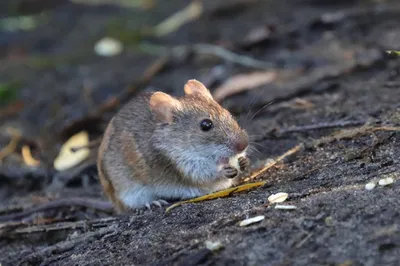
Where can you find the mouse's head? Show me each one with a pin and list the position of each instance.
(196, 128)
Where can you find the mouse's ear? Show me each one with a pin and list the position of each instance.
(163, 106)
(195, 87)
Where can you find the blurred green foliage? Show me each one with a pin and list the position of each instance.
(8, 91)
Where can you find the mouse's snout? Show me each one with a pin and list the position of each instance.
(241, 142)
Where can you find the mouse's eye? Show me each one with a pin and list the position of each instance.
(206, 124)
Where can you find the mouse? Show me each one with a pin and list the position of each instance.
(159, 148)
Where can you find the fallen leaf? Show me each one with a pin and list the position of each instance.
(27, 156)
(252, 220)
(219, 194)
(67, 158)
(278, 197)
(243, 82)
(174, 22)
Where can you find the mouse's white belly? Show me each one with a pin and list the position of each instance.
(140, 195)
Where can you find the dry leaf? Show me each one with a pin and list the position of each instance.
(67, 158)
(278, 197)
(27, 156)
(174, 22)
(243, 82)
(219, 194)
(252, 220)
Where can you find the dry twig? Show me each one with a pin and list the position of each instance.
(319, 126)
(274, 162)
(103, 206)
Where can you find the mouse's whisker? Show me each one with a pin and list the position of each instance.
(250, 108)
(255, 143)
(259, 110)
(254, 149)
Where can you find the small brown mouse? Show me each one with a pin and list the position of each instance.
(158, 147)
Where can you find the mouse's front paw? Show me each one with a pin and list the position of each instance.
(229, 171)
(244, 163)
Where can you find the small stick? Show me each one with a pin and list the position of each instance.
(208, 49)
(231, 56)
(323, 125)
(274, 162)
(103, 206)
(157, 66)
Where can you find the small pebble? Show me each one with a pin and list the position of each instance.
(386, 181)
(370, 186)
(108, 47)
(213, 245)
(278, 197)
(252, 220)
(285, 207)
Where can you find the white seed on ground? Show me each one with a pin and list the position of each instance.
(252, 220)
(278, 197)
(386, 181)
(213, 245)
(108, 47)
(370, 186)
(285, 207)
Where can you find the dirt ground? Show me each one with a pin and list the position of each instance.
(337, 93)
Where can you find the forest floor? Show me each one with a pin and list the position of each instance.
(332, 89)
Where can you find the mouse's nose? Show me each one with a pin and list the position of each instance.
(241, 143)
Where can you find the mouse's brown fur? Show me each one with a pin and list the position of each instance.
(155, 149)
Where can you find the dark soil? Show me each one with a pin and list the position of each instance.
(331, 54)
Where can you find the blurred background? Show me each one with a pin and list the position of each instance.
(66, 67)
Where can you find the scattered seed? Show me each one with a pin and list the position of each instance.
(108, 47)
(252, 220)
(386, 181)
(213, 245)
(278, 197)
(285, 207)
(370, 186)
